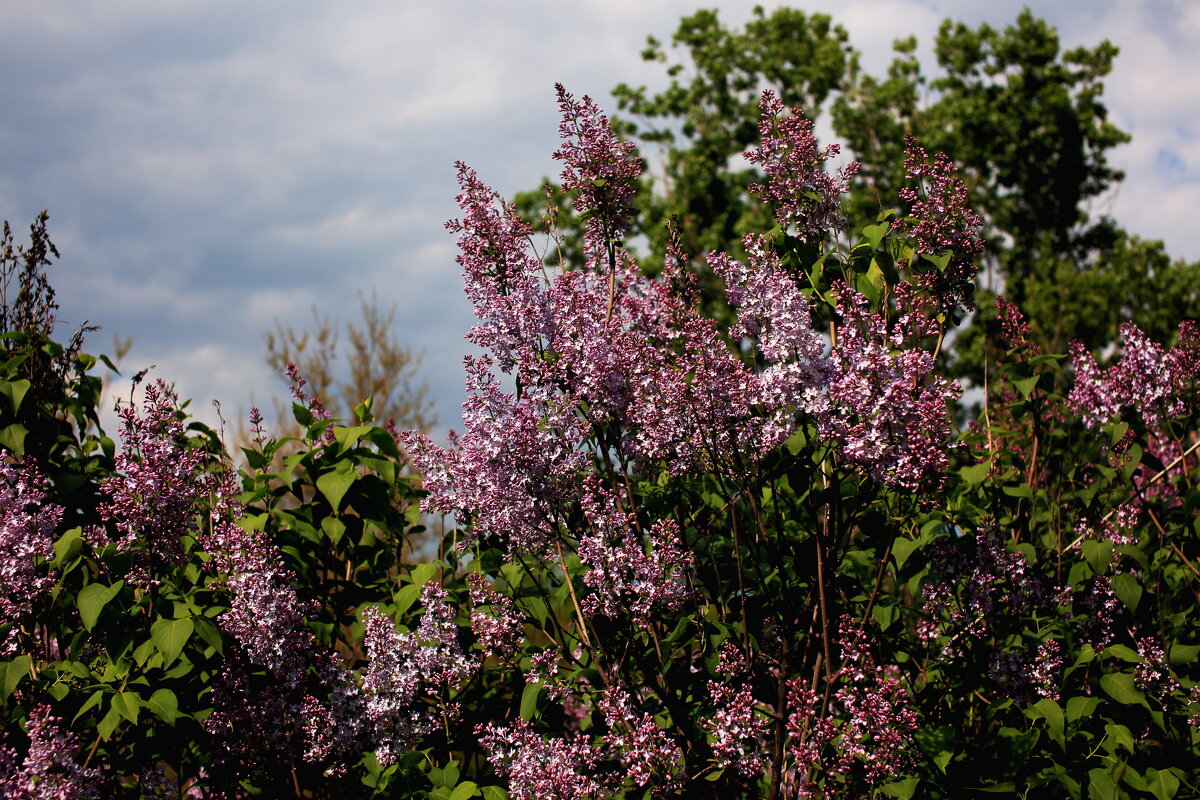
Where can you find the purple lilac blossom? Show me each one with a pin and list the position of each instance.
(803, 193)
(870, 726)
(644, 749)
(966, 592)
(624, 579)
(543, 769)
(1153, 675)
(1154, 382)
(736, 728)
(52, 767)
(941, 220)
(598, 168)
(771, 307)
(404, 668)
(28, 526)
(155, 490)
(498, 626)
(516, 466)
(888, 410)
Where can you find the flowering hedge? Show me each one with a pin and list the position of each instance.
(689, 560)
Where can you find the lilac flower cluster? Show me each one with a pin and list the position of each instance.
(941, 220)
(771, 307)
(644, 749)
(543, 769)
(406, 666)
(1022, 678)
(1153, 675)
(736, 729)
(888, 410)
(624, 579)
(870, 726)
(967, 592)
(1154, 382)
(517, 463)
(803, 193)
(51, 768)
(28, 526)
(598, 168)
(500, 628)
(1014, 328)
(154, 492)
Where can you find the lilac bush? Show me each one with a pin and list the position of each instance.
(687, 559)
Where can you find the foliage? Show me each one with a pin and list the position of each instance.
(692, 558)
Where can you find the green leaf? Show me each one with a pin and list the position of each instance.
(348, 437)
(1020, 490)
(938, 744)
(902, 548)
(974, 474)
(1050, 711)
(529, 700)
(110, 722)
(334, 528)
(170, 636)
(1026, 385)
(1119, 686)
(12, 438)
(14, 671)
(1161, 783)
(127, 705)
(902, 790)
(493, 793)
(1183, 654)
(405, 598)
(207, 630)
(15, 391)
(1101, 785)
(1124, 653)
(92, 600)
(875, 233)
(464, 790)
(336, 483)
(164, 705)
(1127, 589)
(1098, 555)
(68, 546)
(1080, 707)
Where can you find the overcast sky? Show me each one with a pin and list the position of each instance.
(215, 165)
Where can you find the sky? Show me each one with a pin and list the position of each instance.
(214, 167)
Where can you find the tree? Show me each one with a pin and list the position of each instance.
(377, 366)
(1023, 119)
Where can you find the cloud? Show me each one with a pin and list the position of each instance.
(213, 166)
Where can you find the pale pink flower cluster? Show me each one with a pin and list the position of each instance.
(1022, 678)
(804, 194)
(404, 667)
(28, 526)
(154, 492)
(644, 749)
(737, 729)
(975, 581)
(517, 464)
(941, 220)
(625, 580)
(1156, 383)
(1153, 675)
(538, 768)
(498, 626)
(52, 768)
(870, 726)
(888, 410)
